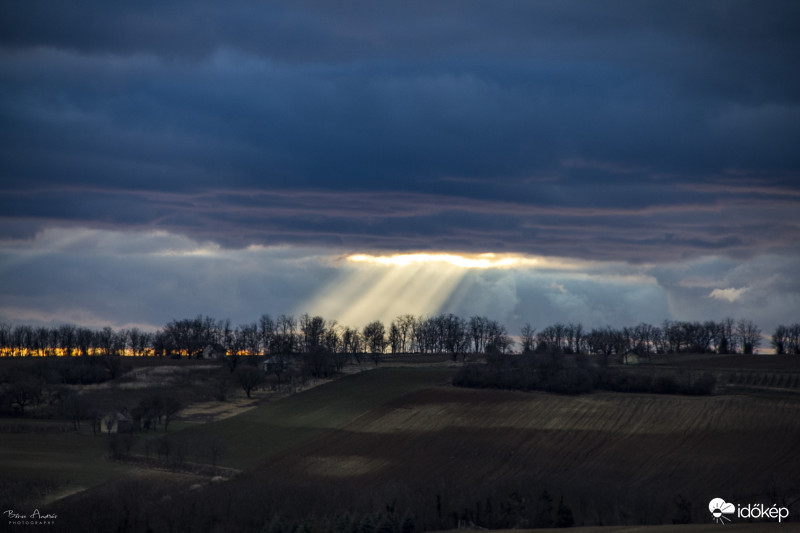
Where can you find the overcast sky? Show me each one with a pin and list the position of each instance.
(166, 159)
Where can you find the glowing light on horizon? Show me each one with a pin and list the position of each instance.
(487, 260)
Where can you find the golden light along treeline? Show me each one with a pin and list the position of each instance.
(443, 333)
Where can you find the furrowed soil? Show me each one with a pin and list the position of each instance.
(672, 528)
(401, 440)
(778, 363)
(614, 457)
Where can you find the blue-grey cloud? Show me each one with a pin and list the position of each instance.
(688, 223)
(644, 133)
(118, 97)
(100, 277)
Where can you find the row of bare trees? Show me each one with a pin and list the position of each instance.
(443, 333)
(68, 339)
(725, 337)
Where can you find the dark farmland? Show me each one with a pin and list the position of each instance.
(359, 450)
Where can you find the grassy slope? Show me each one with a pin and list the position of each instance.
(252, 437)
(72, 461)
(76, 461)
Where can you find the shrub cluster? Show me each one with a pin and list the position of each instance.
(627, 381)
(379, 522)
(547, 372)
(73, 370)
(552, 372)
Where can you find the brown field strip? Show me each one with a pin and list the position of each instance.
(635, 452)
(671, 528)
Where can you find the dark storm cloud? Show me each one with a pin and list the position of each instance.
(632, 130)
(736, 224)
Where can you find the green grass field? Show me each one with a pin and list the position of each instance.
(252, 437)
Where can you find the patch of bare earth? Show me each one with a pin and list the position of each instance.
(343, 466)
(203, 412)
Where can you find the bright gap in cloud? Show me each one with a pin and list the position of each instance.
(467, 261)
(487, 260)
(381, 287)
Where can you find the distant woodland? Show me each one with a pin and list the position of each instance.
(444, 333)
(434, 462)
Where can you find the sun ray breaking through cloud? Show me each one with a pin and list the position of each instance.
(365, 292)
(382, 287)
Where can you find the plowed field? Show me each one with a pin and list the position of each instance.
(614, 457)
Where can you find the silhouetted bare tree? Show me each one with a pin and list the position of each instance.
(375, 338)
(528, 338)
(249, 377)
